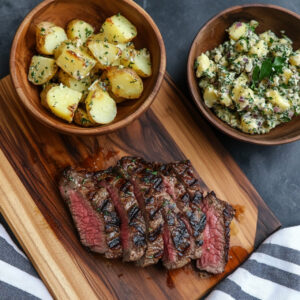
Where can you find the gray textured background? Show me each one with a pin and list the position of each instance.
(274, 171)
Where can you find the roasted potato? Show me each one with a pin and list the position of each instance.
(123, 46)
(79, 29)
(138, 60)
(74, 84)
(106, 54)
(81, 118)
(100, 107)
(124, 83)
(117, 29)
(43, 94)
(41, 69)
(74, 61)
(49, 37)
(63, 101)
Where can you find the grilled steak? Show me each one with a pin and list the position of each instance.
(93, 213)
(133, 226)
(149, 211)
(150, 187)
(216, 234)
(189, 195)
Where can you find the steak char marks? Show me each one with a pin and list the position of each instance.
(185, 187)
(93, 213)
(148, 212)
(167, 237)
(133, 226)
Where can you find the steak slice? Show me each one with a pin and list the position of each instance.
(93, 213)
(185, 188)
(133, 226)
(216, 234)
(161, 214)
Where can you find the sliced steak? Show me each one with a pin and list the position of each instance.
(98, 229)
(185, 188)
(216, 234)
(133, 226)
(162, 216)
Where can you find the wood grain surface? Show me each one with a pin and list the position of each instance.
(61, 12)
(213, 33)
(30, 201)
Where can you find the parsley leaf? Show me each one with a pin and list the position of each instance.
(266, 69)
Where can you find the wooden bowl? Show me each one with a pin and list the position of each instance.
(94, 12)
(213, 33)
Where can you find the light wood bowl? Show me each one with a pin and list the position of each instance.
(94, 12)
(213, 33)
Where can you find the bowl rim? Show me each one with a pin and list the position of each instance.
(195, 93)
(59, 125)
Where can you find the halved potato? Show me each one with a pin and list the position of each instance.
(74, 61)
(63, 101)
(138, 60)
(43, 94)
(79, 29)
(81, 118)
(117, 29)
(106, 54)
(41, 69)
(49, 37)
(74, 84)
(124, 83)
(100, 107)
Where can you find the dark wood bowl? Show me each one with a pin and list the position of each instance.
(213, 33)
(94, 12)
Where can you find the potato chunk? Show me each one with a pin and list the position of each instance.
(202, 64)
(260, 49)
(117, 29)
(49, 37)
(106, 54)
(138, 60)
(124, 83)
(75, 62)
(63, 101)
(295, 59)
(43, 94)
(237, 30)
(277, 100)
(78, 29)
(210, 96)
(100, 107)
(41, 69)
(81, 118)
(81, 85)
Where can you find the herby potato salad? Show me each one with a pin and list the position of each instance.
(251, 81)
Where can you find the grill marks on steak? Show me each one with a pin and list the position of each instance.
(216, 234)
(162, 215)
(147, 212)
(133, 226)
(145, 190)
(93, 214)
(186, 189)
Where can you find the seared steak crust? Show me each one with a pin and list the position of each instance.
(145, 189)
(93, 212)
(216, 234)
(152, 191)
(133, 226)
(189, 195)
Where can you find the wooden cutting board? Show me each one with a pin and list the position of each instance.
(32, 157)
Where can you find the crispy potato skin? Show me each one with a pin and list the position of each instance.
(100, 107)
(79, 29)
(49, 37)
(41, 69)
(124, 83)
(81, 118)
